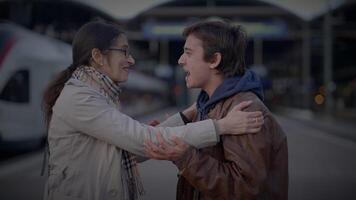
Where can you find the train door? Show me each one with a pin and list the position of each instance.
(16, 110)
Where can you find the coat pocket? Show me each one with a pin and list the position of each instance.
(71, 198)
(57, 195)
(63, 181)
(56, 177)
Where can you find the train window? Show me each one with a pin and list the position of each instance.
(17, 89)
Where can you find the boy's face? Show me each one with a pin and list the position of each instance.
(197, 69)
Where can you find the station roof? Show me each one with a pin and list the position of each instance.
(122, 9)
(307, 9)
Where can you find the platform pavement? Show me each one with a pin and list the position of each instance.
(341, 127)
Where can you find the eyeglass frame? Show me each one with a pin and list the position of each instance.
(125, 51)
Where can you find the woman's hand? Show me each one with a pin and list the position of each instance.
(166, 151)
(238, 122)
(154, 122)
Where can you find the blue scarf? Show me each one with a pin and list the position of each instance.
(250, 81)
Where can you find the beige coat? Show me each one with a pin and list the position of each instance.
(86, 137)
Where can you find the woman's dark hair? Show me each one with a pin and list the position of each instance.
(95, 34)
(221, 36)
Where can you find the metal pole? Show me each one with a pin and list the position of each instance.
(257, 51)
(153, 46)
(164, 52)
(328, 60)
(306, 54)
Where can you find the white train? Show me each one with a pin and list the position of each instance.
(28, 61)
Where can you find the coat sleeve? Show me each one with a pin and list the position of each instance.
(174, 120)
(89, 113)
(239, 175)
(179, 119)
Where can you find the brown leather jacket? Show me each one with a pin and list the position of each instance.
(248, 166)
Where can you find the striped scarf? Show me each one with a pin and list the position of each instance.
(111, 91)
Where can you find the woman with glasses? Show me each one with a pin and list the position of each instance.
(92, 145)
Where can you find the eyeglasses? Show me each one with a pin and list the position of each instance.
(125, 51)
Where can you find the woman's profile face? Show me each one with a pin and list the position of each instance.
(118, 60)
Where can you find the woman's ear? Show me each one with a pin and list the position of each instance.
(215, 60)
(97, 56)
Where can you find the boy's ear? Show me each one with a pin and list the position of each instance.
(97, 56)
(215, 60)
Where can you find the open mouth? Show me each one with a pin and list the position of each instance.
(187, 73)
(126, 68)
